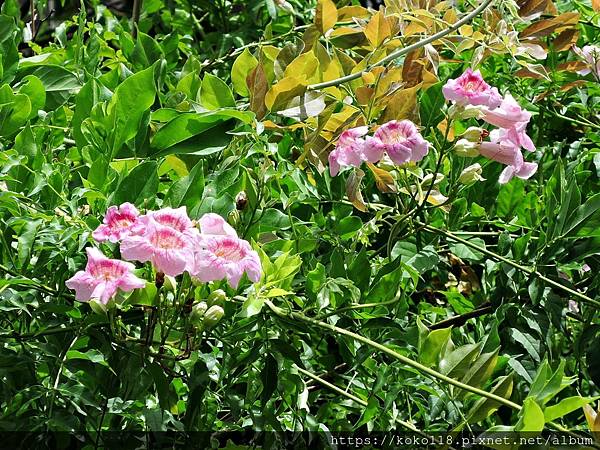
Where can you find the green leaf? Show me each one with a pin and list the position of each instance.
(26, 240)
(456, 363)
(252, 306)
(531, 417)
(187, 191)
(184, 126)
(33, 88)
(484, 407)
(139, 186)
(431, 106)
(215, 93)
(242, 66)
(269, 378)
(433, 346)
(566, 406)
(131, 100)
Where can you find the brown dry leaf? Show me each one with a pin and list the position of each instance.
(571, 66)
(529, 7)
(547, 26)
(566, 39)
(383, 179)
(378, 29)
(326, 15)
(412, 69)
(596, 5)
(258, 87)
(364, 94)
(353, 189)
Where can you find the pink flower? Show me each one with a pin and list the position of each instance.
(102, 278)
(169, 250)
(212, 223)
(400, 140)
(508, 115)
(503, 152)
(590, 54)
(505, 147)
(224, 256)
(517, 135)
(169, 217)
(348, 150)
(470, 89)
(525, 171)
(118, 223)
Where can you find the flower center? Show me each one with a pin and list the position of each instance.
(229, 250)
(167, 239)
(107, 270)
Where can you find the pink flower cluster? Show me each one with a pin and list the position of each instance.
(505, 113)
(170, 241)
(401, 141)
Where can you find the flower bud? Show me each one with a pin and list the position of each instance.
(474, 134)
(458, 111)
(466, 148)
(212, 316)
(217, 297)
(241, 200)
(471, 175)
(198, 312)
(170, 284)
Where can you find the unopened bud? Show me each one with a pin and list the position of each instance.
(217, 297)
(198, 312)
(241, 200)
(170, 284)
(212, 316)
(465, 112)
(474, 134)
(159, 281)
(471, 174)
(466, 148)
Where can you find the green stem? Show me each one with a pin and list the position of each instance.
(353, 397)
(403, 51)
(407, 361)
(584, 298)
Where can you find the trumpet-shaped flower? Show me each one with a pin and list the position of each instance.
(118, 223)
(169, 250)
(169, 217)
(590, 54)
(222, 254)
(400, 140)
(103, 277)
(525, 171)
(225, 256)
(212, 223)
(348, 150)
(508, 115)
(471, 89)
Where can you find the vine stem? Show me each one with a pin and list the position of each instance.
(403, 51)
(584, 298)
(405, 360)
(354, 398)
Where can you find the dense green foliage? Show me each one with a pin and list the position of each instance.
(216, 106)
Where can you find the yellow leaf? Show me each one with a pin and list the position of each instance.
(383, 179)
(326, 15)
(277, 292)
(173, 162)
(401, 105)
(377, 30)
(283, 91)
(258, 86)
(306, 66)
